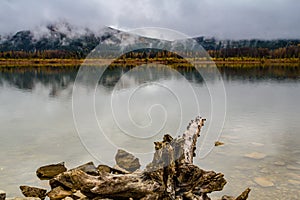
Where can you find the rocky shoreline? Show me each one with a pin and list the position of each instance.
(170, 176)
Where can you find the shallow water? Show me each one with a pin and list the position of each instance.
(134, 107)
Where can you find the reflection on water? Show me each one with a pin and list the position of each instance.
(37, 128)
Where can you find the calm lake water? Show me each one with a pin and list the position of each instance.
(134, 107)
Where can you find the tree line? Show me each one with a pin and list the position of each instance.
(292, 51)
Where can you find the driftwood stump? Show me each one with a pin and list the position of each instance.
(170, 176)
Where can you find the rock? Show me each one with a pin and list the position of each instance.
(2, 195)
(294, 182)
(58, 193)
(242, 167)
(263, 182)
(255, 155)
(28, 191)
(50, 171)
(265, 170)
(257, 144)
(88, 168)
(279, 163)
(127, 161)
(291, 167)
(25, 198)
(218, 143)
(294, 175)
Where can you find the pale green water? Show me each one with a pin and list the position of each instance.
(37, 127)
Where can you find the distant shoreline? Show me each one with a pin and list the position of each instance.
(77, 62)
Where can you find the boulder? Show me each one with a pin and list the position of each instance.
(127, 161)
(50, 171)
(28, 191)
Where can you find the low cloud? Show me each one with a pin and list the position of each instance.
(232, 19)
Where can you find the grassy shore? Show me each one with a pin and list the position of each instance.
(169, 61)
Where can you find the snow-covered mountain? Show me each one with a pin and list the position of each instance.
(60, 36)
(64, 36)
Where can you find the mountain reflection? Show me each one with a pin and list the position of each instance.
(61, 78)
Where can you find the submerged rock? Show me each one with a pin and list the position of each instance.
(218, 143)
(263, 182)
(257, 144)
(294, 182)
(50, 171)
(28, 191)
(292, 167)
(24, 198)
(294, 175)
(127, 161)
(255, 155)
(2, 195)
(279, 163)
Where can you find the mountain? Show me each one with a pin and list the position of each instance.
(60, 36)
(79, 42)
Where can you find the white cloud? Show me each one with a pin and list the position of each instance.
(221, 18)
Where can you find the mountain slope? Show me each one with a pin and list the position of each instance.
(65, 39)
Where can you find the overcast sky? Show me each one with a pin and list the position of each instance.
(225, 19)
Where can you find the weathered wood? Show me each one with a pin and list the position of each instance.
(88, 168)
(171, 175)
(114, 186)
(244, 195)
(190, 138)
(2, 195)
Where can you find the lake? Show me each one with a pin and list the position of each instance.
(44, 120)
